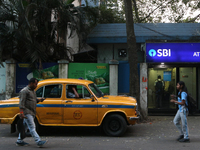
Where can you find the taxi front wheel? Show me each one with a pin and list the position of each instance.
(114, 125)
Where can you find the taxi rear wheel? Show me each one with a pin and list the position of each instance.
(114, 125)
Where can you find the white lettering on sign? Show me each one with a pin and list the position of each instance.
(164, 52)
(196, 54)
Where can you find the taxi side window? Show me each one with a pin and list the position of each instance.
(53, 91)
(86, 93)
(81, 90)
(39, 92)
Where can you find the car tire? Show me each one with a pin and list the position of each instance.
(114, 125)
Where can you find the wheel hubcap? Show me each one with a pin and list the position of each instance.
(114, 125)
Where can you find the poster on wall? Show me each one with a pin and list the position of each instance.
(24, 73)
(96, 72)
(3, 78)
(167, 76)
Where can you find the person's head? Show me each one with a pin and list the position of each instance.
(33, 83)
(159, 77)
(181, 86)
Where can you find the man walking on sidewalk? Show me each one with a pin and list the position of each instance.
(27, 105)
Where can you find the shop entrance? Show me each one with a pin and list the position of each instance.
(162, 83)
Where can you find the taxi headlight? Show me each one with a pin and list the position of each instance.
(135, 104)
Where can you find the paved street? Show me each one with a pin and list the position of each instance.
(158, 133)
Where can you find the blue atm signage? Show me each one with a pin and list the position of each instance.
(172, 52)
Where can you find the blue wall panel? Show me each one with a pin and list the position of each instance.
(123, 77)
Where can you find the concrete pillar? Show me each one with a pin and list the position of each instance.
(143, 89)
(63, 68)
(113, 64)
(10, 78)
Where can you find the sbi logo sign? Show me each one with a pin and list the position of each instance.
(160, 52)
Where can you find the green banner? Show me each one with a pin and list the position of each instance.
(47, 73)
(24, 73)
(96, 72)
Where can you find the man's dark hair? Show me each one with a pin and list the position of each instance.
(32, 80)
(159, 77)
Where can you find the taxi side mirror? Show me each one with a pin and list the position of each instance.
(92, 97)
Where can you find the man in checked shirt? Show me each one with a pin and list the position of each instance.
(27, 105)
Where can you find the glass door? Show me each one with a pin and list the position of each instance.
(188, 75)
(161, 84)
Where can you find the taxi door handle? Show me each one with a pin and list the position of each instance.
(68, 101)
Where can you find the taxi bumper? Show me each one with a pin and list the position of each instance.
(134, 118)
(6, 121)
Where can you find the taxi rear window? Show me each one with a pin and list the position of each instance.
(50, 91)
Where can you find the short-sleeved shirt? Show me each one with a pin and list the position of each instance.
(183, 97)
(28, 101)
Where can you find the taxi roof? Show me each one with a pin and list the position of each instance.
(65, 80)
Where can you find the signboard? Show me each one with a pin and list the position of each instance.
(96, 72)
(24, 73)
(172, 52)
(3, 78)
(167, 76)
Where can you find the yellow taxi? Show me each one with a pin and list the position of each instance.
(62, 107)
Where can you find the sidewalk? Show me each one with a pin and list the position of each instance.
(160, 133)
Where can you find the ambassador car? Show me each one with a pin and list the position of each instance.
(92, 108)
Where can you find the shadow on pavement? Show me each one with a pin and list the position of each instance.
(71, 131)
(80, 131)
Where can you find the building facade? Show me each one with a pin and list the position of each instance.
(166, 50)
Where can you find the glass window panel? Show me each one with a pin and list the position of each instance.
(39, 92)
(81, 90)
(53, 91)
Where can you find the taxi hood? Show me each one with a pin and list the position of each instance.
(123, 98)
(11, 100)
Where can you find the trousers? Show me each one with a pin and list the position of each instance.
(181, 116)
(159, 100)
(30, 124)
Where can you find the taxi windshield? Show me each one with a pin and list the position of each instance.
(96, 90)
